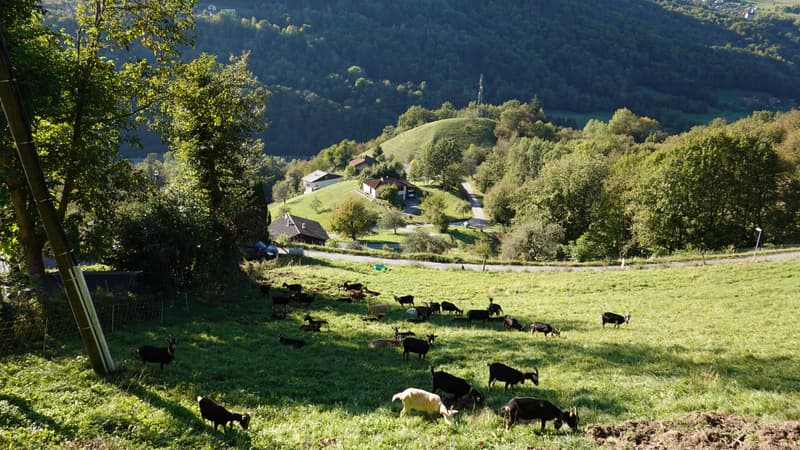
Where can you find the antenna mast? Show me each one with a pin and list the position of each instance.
(480, 97)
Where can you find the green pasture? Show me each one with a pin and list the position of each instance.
(330, 197)
(701, 338)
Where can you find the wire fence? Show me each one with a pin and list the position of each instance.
(29, 331)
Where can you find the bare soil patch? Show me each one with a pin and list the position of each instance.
(698, 430)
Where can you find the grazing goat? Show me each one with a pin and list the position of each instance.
(347, 286)
(424, 401)
(447, 306)
(616, 319)
(478, 314)
(546, 328)
(296, 343)
(402, 334)
(312, 321)
(372, 293)
(380, 343)
(511, 322)
(418, 346)
(310, 327)
(511, 376)
(494, 308)
(305, 299)
(296, 288)
(435, 307)
(453, 385)
(423, 312)
(528, 409)
(405, 299)
(218, 415)
(160, 355)
(377, 309)
(355, 294)
(281, 300)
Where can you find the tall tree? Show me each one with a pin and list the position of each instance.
(213, 113)
(352, 217)
(709, 188)
(101, 87)
(442, 160)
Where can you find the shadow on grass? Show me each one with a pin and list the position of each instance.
(30, 415)
(132, 382)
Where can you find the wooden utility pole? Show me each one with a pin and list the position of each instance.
(80, 301)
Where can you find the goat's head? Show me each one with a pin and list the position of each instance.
(557, 332)
(245, 422)
(570, 417)
(627, 317)
(533, 376)
(475, 395)
(431, 337)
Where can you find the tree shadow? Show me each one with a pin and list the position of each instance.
(26, 415)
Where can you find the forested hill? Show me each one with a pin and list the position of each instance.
(347, 68)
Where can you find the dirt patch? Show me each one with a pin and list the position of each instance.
(714, 430)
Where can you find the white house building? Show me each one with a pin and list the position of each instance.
(319, 179)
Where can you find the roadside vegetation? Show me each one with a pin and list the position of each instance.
(701, 338)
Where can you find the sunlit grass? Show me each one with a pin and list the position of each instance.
(700, 338)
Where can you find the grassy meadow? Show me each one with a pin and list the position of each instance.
(465, 131)
(701, 338)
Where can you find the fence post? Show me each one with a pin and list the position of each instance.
(113, 313)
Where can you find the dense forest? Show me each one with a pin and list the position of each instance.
(341, 69)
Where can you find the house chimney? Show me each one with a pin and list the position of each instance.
(303, 225)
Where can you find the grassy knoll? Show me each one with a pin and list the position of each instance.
(465, 131)
(330, 197)
(701, 338)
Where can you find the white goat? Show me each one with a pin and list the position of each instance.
(424, 401)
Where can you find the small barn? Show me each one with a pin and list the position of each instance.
(298, 229)
(319, 179)
(362, 162)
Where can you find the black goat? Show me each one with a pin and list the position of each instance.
(546, 328)
(355, 286)
(423, 312)
(511, 322)
(405, 299)
(453, 386)
(264, 288)
(281, 300)
(447, 306)
(305, 299)
(402, 334)
(312, 321)
(528, 408)
(478, 314)
(414, 345)
(296, 343)
(616, 319)
(218, 415)
(511, 376)
(435, 307)
(494, 308)
(160, 355)
(296, 288)
(310, 327)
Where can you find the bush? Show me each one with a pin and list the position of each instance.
(420, 241)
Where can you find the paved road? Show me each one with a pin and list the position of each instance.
(533, 268)
(478, 215)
